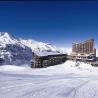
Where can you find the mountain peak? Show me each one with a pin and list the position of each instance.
(6, 38)
(6, 35)
(3, 33)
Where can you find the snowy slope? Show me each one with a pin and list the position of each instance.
(12, 51)
(38, 46)
(5, 38)
(65, 50)
(61, 81)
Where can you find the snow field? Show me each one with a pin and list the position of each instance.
(60, 81)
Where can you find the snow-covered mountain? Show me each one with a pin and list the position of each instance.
(17, 51)
(38, 46)
(12, 51)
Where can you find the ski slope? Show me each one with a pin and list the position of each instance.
(60, 81)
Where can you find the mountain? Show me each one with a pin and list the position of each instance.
(38, 46)
(12, 51)
(65, 50)
(19, 51)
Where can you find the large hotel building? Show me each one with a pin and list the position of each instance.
(83, 50)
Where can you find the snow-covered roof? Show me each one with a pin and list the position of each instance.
(45, 53)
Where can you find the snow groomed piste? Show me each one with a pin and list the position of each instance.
(60, 81)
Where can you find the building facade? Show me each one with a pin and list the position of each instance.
(85, 47)
(84, 50)
(44, 59)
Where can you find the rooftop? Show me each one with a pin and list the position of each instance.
(83, 41)
(45, 53)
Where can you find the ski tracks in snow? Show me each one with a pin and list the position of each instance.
(53, 86)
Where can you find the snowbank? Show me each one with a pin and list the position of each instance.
(61, 68)
(13, 68)
(85, 66)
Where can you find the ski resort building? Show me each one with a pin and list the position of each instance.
(44, 59)
(83, 51)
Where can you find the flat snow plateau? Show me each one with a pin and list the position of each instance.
(60, 81)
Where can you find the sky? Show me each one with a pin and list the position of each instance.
(57, 22)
